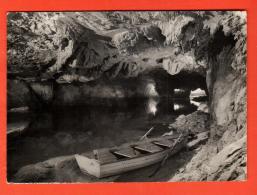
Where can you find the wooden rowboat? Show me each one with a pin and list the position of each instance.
(129, 156)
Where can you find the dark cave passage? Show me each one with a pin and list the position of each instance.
(166, 83)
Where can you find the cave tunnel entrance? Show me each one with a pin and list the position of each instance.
(182, 93)
(179, 85)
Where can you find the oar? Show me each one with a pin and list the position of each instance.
(146, 134)
(166, 156)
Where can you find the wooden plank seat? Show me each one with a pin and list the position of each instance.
(131, 150)
(148, 147)
(126, 152)
(164, 142)
(104, 156)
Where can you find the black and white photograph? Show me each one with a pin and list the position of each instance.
(126, 96)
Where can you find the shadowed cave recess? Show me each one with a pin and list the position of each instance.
(71, 74)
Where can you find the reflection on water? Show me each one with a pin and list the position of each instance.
(178, 106)
(151, 107)
(80, 129)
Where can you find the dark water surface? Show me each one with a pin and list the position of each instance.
(73, 130)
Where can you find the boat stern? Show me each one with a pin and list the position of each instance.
(88, 166)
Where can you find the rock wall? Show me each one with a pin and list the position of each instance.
(224, 155)
(82, 46)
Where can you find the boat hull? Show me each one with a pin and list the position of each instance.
(95, 168)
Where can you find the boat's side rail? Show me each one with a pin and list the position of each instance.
(136, 149)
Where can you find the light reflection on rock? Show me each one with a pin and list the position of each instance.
(197, 93)
(195, 103)
(151, 90)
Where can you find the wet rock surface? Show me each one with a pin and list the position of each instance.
(194, 123)
(211, 164)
